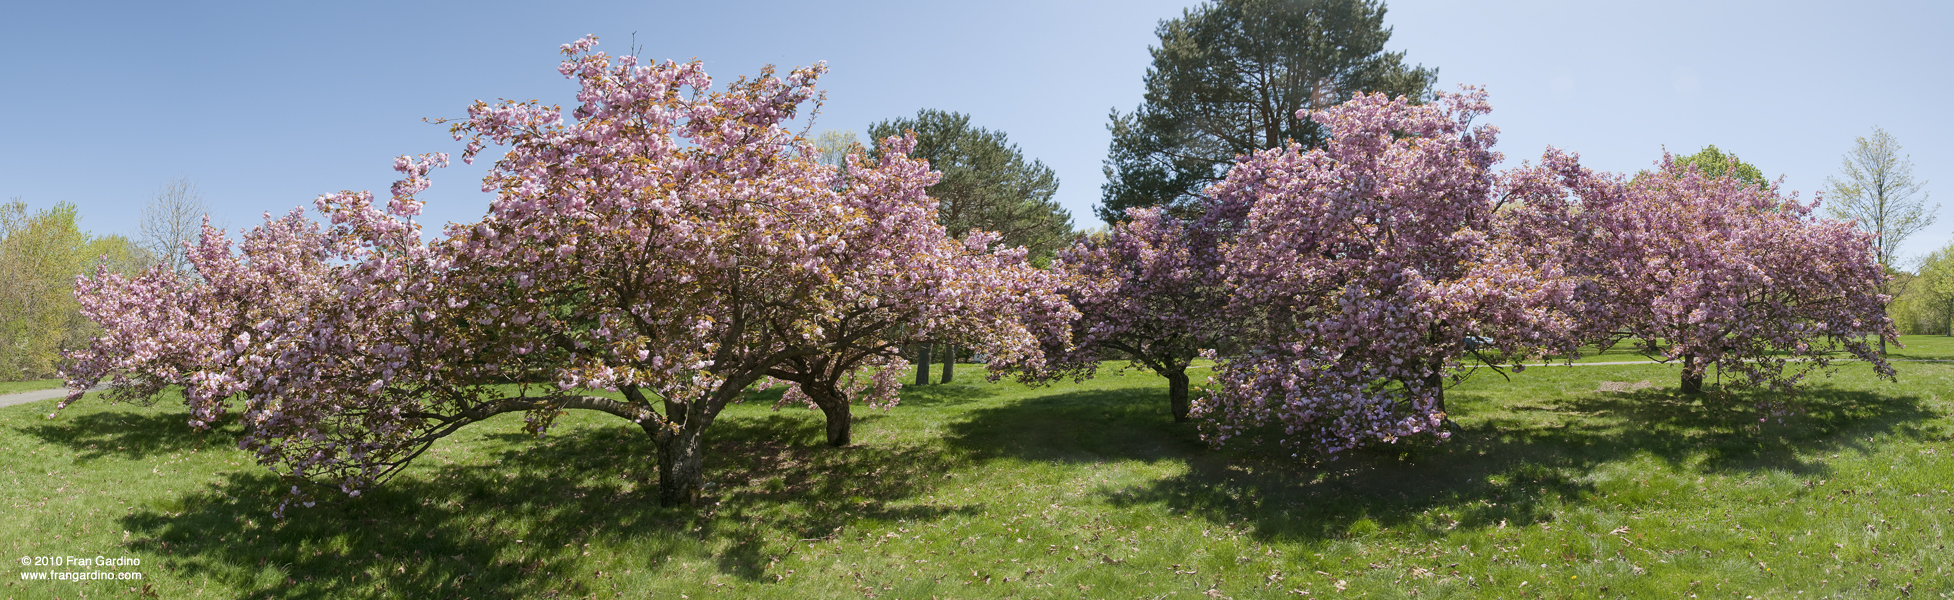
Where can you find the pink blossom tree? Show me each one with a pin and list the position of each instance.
(962, 292)
(1718, 271)
(1367, 269)
(330, 337)
(1152, 289)
(673, 243)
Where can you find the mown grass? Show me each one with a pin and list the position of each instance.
(1917, 347)
(1552, 488)
(1924, 347)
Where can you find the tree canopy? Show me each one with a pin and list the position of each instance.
(668, 246)
(1231, 77)
(1708, 270)
(1713, 163)
(1151, 288)
(1933, 290)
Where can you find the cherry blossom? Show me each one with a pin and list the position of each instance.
(1717, 271)
(1152, 289)
(672, 242)
(1365, 270)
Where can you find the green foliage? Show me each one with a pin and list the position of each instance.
(1563, 482)
(1715, 163)
(987, 183)
(1926, 300)
(40, 255)
(1228, 79)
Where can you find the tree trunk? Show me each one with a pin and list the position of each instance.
(949, 362)
(1692, 378)
(1177, 393)
(681, 466)
(923, 365)
(1436, 379)
(835, 406)
(838, 424)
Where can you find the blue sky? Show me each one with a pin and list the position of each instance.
(267, 105)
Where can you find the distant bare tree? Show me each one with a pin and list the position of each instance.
(1877, 188)
(174, 216)
(835, 145)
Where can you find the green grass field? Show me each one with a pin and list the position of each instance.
(1918, 347)
(1555, 488)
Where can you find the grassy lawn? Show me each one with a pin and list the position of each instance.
(1924, 347)
(10, 387)
(1918, 347)
(1554, 489)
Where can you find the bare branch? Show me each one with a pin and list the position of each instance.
(173, 218)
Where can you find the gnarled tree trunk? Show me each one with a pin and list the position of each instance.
(949, 362)
(680, 437)
(838, 423)
(681, 466)
(834, 406)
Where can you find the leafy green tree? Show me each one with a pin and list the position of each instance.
(1717, 163)
(1933, 290)
(1906, 310)
(1229, 77)
(40, 254)
(1876, 188)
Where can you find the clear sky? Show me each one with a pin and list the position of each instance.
(266, 105)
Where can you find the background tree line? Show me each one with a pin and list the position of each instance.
(41, 253)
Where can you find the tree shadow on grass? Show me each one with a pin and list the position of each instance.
(132, 435)
(522, 525)
(1079, 426)
(1501, 470)
(1727, 432)
(943, 395)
